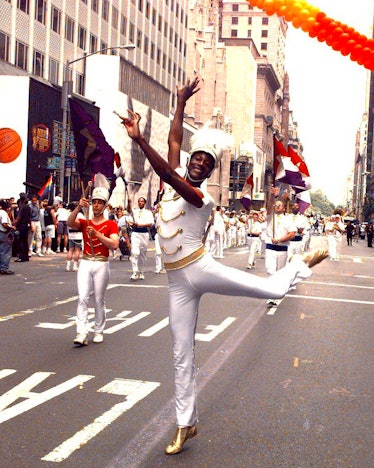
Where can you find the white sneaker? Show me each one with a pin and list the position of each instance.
(134, 277)
(98, 338)
(39, 254)
(67, 268)
(75, 267)
(51, 252)
(81, 339)
(31, 253)
(57, 250)
(141, 276)
(65, 251)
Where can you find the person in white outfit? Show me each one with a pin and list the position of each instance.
(192, 272)
(142, 221)
(253, 238)
(297, 244)
(219, 232)
(100, 235)
(334, 230)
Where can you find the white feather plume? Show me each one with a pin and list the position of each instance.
(101, 181)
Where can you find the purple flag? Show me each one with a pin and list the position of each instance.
(94, 154)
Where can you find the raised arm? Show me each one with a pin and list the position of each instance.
(163, 169)
(176, 130)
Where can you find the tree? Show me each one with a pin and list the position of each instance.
(321, 204)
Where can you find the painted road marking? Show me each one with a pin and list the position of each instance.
(353, 286)
(155, 328)
(215, 330)
(132, 390)
(33, 399)
(317, 298)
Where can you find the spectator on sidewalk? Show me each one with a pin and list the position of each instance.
(50, 223)
(62, 215)
(6, 238)
(35, 232)
(22, 224)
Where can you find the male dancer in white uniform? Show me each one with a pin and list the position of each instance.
(142, 221)
(99, 236)
(184, 212)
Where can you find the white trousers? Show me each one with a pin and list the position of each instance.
(35, 233)
(253, 246)
(92, 275)
(275, 260)
(295, 247)
(186, 286)
(139, 245)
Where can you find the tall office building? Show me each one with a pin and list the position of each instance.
(49, 42)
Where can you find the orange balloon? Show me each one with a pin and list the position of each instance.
(296, 22)
(304, 14)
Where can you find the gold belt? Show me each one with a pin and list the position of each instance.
(97, 258)
(186, 260)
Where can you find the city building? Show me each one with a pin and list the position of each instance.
(77, 43)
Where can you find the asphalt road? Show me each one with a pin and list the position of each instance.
(285, 387)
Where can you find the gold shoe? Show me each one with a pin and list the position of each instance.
(181, 435)
(314, 257)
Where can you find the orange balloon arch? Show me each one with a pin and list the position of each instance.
(313, 21)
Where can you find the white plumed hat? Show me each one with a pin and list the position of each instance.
(101, 190)
(211, 141)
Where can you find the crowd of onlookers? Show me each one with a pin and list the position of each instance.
(31, 227)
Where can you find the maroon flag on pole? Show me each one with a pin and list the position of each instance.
(94, 154)
(246, 198)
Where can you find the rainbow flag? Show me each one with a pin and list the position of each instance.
(44, 191)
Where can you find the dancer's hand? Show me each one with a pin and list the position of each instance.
(189, 89)
(132, 124)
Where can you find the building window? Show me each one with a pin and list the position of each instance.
(23, 5)
(54, 68)
(249, 19)
(148, 10)
(164, 61)
(82, 35)
(264, 33)
(80, 83)
(84, 1)
(152, 51)
(4, 47)
(146, 45)
(132, 33)
(93, 43)
(234, 33)
(38, 63)
(95, 6)
(104, 46)
(69, 29)
(160, 23)
(123, 29)
(265, 20)
(140, 5)
(139, 39)
(158, 56)
(249, 33)
(40, 10)
(105, 10)
(55, 20)
(21, 55)
(235, 7)
(154, 16)
(115, 16)
(264, 46)
(234, 20)
(165, 29)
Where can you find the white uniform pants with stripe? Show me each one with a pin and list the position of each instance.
(186, 286)
(92, 276)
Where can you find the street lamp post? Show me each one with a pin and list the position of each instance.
(67, 89)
